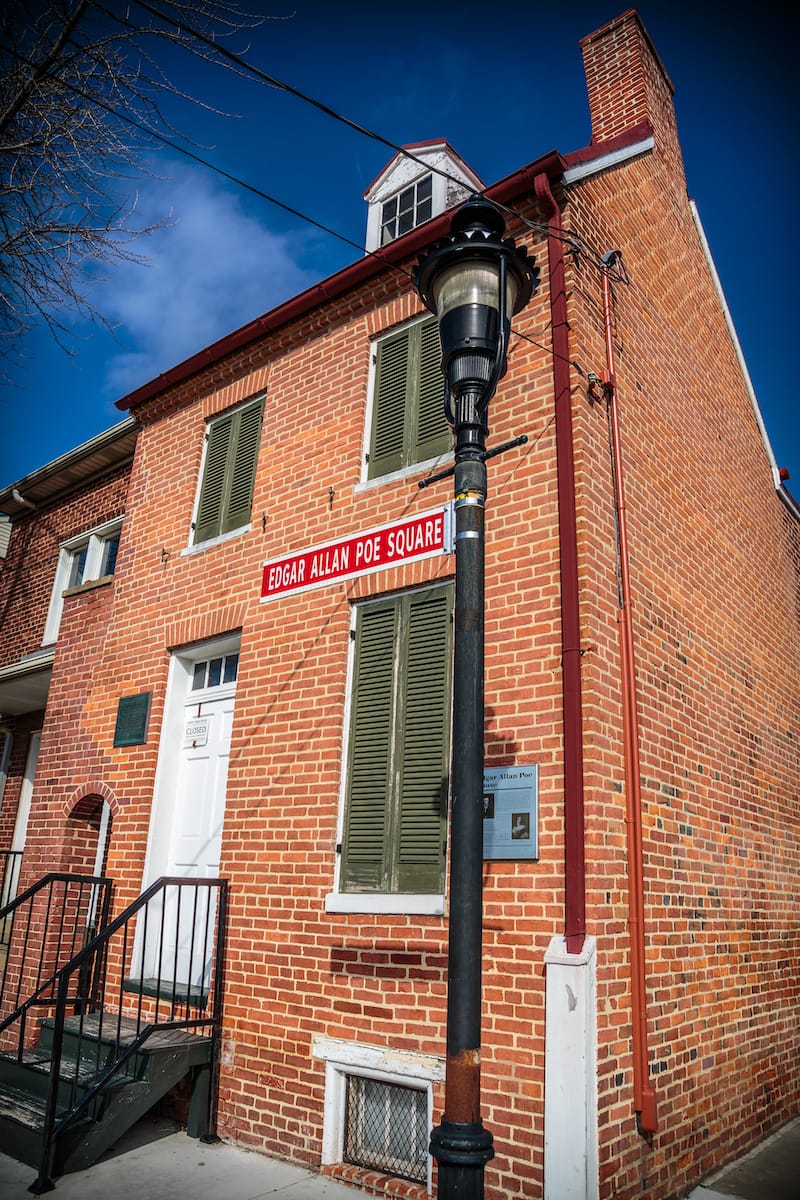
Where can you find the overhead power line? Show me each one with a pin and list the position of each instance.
(575, 242)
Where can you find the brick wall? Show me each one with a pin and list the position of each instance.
(295, 971)
(26, 585)
(26, 581)
(714, 564)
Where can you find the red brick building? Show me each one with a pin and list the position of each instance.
(295, 731)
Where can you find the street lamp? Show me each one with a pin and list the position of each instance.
(474, 280)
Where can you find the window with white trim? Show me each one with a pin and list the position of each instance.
(6, 743)
(229, 471)
(407, 209)
(83, 559)
(395, 814)
(378, 1106)
(408, 425)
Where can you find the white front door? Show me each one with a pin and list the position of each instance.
(188, 815)
(196, 835)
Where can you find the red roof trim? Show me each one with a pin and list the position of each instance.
(335, 285)
(636, 133)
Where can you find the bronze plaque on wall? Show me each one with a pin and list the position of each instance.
(132, 716)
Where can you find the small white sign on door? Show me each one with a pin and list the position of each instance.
(196, 732)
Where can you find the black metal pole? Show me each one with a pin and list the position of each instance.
(460, 1144)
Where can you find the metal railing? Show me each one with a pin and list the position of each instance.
(156, 967)
(43, 929)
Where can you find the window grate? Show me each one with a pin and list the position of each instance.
(386, 1128)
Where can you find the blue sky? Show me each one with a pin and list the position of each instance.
(504, 86)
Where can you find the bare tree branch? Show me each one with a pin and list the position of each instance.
(81, 92)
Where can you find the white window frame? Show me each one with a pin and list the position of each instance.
(378, 903)
(193, 547)
(394, 199)
(5, 757)
(94, 541)
(342, 1058)
(422, 467)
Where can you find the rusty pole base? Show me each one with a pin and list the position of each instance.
(462, 1152)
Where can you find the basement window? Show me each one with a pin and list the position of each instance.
(378, 1107)
(386, 1128)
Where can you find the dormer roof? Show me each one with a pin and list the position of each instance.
(421, 181)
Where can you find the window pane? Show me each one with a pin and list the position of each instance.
(424, 210)
(386, 1128)
(425, 189)
(215, 672)
(199, 676)
(77, 567)
(231, 668)
(109, 560)
(407, 201)
(388, 221)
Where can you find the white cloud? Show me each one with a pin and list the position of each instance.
(211, 269)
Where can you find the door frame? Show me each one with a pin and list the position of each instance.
(162, 810)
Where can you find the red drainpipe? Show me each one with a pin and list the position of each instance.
(574, 856)
(643, 1095)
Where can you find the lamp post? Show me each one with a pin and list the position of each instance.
(474, 280)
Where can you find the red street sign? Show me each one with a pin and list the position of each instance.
(416, 537)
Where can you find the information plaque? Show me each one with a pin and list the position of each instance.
(511, 812)
(132, 716)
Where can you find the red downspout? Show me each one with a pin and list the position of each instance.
(643, 1095)
(574, 857)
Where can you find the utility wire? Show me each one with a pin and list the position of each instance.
(576, 243)
(573, 240)
(264, 77)
(250, 187)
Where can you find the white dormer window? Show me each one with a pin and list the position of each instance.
(407, 209)
(420, 182)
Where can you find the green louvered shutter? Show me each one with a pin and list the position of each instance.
(424, 744)
(371, 738)
(212, 492)
(433, 434)
(226, 493)
(396, 812)
(243, 467)
(388, 419)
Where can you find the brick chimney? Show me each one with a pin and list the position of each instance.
(625, 79)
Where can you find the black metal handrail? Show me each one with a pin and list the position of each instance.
(157, 966)
(45, 927)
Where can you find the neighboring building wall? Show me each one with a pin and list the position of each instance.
(26, 586)
(715, 565)
(26, 582)
(62, 834)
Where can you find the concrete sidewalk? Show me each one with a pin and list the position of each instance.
(769, 1172)
(157, 1161)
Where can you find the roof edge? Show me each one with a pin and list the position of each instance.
(30, 483)
(335, 285)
